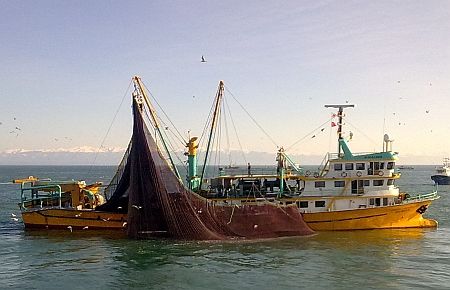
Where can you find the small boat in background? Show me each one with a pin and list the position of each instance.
(443, 173)
(405, 167)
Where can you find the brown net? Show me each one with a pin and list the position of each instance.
(160, 205)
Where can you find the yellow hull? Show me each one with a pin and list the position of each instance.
(387, 217)
(54, 218)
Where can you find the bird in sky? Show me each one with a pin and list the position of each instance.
(203, 59)
(427, 111)
(18, 128)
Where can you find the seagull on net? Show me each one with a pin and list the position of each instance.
(86, 227)
(136, 206)
(70, 228)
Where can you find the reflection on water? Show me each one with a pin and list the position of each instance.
(376, 259)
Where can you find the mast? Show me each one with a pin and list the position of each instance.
(218, 101)
(340, 115)
(138, 85)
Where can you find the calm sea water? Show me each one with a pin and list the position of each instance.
(378, 259)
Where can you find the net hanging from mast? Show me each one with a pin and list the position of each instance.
(158, 204)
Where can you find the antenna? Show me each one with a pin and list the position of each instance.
(340, 115)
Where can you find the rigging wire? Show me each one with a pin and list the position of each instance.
(253, 119)
(226, 134)
(308, 134)
(167, 139)
(162, 110)
(109, 128)
(235, 130)
(370, 139)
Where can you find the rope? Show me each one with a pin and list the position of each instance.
(162, 110)
(235, 131)
(371, 140)
(254, 121)
(310, 133)
(109, 128)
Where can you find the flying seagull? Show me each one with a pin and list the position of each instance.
(203, 59)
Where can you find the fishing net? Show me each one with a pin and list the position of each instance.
(158, 204)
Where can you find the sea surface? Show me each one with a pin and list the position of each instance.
(375, 259)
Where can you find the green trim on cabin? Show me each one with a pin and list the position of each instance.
(348, 155)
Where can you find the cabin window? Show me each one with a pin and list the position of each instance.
(377, 201)
(366, 182)
(385, 201)
(319, 203)
(390, 165)
(372, 201)
(390, 182)
(360, 166)
(302, 204)
(339, 183)
(381, 165)
(348, 166)
(337, 166)
(379, 182)
(319, 184)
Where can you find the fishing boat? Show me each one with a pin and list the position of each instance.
(148, 199)
(350, 191)
(159, 204)
(64, 204)
(443, 173)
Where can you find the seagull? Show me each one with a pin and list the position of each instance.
(86, 227)
(124, 224)
(18, 128)
(70, 228)
(136, 206)
(255, 226)
(14, 118)
(15, 219)
(427, 111)
(119, 207)
(13, 215)
(398, 82)
(78, 215)
(314, 136)
(105, 220)
(203, 59)
(321, 130)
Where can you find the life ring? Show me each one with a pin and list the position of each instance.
(380, 173)
(307, 173)
(359, 173)
(316, 174)
(344, 174)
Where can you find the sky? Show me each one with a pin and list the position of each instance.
(65, 67)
